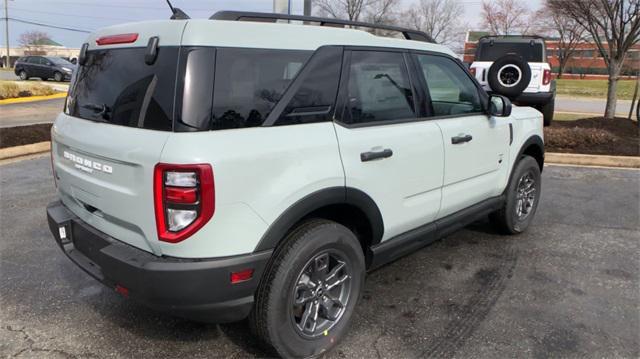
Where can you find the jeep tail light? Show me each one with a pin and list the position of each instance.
(117, 39)
(546, 77)
(184, 199)
(473, 71)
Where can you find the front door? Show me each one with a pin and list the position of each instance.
(475, 145)
(387, 152)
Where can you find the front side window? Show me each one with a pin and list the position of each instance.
(378, 88)
(249, 83)
(452, 91)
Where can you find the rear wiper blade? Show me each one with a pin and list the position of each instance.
(101, 110)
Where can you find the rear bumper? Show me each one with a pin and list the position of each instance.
(534, 98)
(198, 289)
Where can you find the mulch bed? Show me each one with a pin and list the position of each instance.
(594, 136)
(24, 135)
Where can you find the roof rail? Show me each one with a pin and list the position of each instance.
(408, 34)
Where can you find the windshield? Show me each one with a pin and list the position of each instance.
(488, 51)
(59, 61)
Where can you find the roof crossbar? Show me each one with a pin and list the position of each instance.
(408, 34)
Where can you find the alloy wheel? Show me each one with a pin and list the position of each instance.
(321, 294)
(525, 195)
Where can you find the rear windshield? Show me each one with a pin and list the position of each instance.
(188, 89)
(488, 51)
(118, 87)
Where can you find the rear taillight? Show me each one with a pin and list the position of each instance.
(473, 71)
(184, 197)
(117, 39)
(546, 77)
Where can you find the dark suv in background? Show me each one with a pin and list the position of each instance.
(44, 67)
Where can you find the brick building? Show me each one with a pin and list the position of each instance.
(586, 59)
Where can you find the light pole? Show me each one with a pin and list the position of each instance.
(6, 29)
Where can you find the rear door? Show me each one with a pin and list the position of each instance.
(387, 150)
(475, 145)
(118, 116)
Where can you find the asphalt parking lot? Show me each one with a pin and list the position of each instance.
(569, 287)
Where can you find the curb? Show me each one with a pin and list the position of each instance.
(19, 151)
(592, 160)
(9, 101)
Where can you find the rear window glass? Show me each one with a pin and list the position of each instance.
(249, 83)
(491, 52)
(117, 86)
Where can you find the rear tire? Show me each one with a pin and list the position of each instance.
(298, 294)
(23, 75)
(523, 196)
(547, 111)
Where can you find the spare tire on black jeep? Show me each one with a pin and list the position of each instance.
(509, 75)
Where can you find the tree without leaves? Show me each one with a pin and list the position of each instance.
(372, 11)
(342, 9)
(614, 26)
(439, 19)
(506, 17)
(33, 40)
(567, 30)
(381, 12)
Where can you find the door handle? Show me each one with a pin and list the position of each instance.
(372, 155)
(461, 139)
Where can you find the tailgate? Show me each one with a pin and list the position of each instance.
(105, 176)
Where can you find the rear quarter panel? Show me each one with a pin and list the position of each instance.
(258, 173)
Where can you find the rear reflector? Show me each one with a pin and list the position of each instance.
(242, 276)
(122, 290)
(117, 39)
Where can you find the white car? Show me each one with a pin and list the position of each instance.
(222, 169)
(516, 67)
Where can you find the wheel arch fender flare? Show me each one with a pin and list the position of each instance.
(537, 143)
(317, 200)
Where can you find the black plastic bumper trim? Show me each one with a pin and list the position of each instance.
(198, 289)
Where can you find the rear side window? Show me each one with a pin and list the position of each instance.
(313, 99)
(249, 82)
(378, 88)
(117, 86)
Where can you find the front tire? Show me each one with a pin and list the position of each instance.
(23, 75)
(523, 196)
(58, 77)
(307, 296)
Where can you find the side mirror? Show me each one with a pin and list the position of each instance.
(499, 106)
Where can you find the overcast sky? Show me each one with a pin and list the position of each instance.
(89, 15)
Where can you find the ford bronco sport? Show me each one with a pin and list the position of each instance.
(516, 67)
(230, 168)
